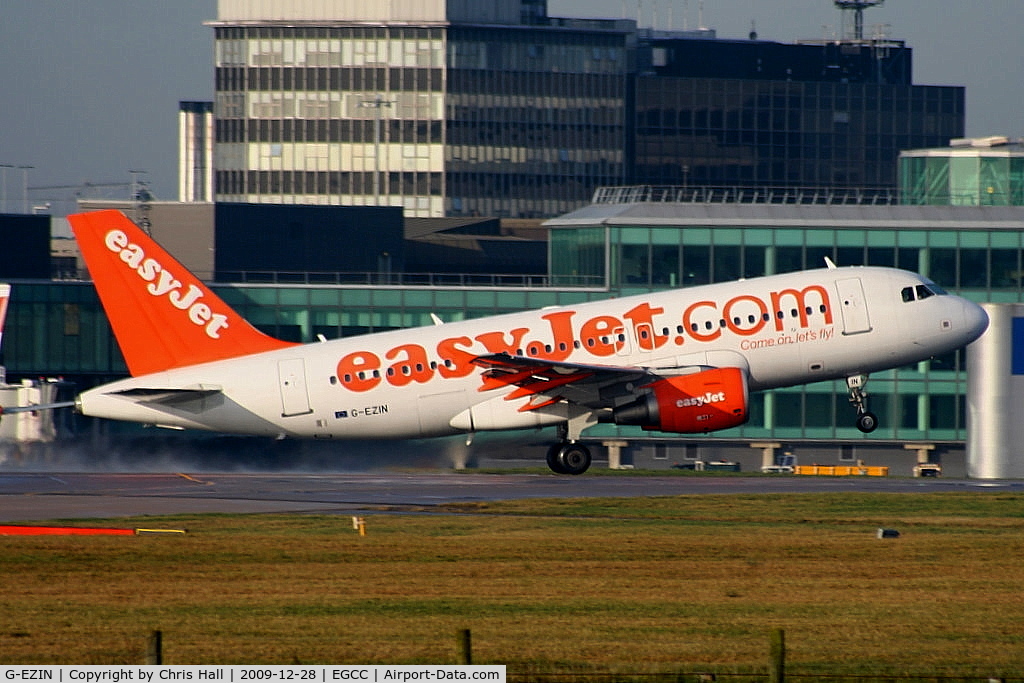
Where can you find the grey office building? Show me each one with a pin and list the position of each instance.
(443, 108)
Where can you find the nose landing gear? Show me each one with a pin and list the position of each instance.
(867, 421)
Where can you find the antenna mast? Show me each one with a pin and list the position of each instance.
(857, 7)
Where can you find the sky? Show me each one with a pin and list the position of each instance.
(91, 87)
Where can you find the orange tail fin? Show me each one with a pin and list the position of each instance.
(162, 315)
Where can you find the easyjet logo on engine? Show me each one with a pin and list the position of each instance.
(560, 334)
(163, 284)
(697, 401)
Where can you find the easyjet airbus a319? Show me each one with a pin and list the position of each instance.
(680, 361)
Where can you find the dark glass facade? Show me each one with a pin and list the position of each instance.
(721, 132)
(536, 119)
(810, 115)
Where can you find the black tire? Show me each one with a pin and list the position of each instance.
(867, 422)
(574, 458)
(555, 459)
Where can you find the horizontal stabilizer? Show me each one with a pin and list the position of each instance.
(169, 396)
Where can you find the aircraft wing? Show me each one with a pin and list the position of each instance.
(548, 382)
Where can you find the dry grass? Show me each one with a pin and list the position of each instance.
(692, 582)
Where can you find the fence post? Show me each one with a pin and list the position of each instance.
(777, 661)
(465, 640)
(154, 648)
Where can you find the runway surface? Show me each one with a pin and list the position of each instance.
(26, 496)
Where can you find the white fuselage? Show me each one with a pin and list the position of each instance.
(783, 330)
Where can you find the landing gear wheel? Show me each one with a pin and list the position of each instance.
(574, 458)
(568, 458)
(554, 459)
(867, 422)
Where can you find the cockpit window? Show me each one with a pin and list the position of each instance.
(921, 292)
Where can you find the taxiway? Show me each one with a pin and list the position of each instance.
(28, 496)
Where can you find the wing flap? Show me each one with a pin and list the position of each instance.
(548, 382)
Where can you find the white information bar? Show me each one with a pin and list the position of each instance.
(232, 673)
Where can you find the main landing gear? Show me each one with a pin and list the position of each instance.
(568, 458)
(867, 421)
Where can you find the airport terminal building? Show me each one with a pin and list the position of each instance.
(631, 240)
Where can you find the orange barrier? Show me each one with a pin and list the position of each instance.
(842, 470)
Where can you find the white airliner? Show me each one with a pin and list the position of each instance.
(680, 361)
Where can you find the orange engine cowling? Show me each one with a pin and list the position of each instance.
(702, 402)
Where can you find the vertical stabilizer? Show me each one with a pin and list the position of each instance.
(162, 315)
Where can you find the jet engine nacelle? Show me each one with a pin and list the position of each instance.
(702, 402)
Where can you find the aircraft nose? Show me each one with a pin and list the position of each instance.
(975, 319)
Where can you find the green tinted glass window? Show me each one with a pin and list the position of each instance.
(942, 266)
(577, 256)
(696, 265)
(387, 297)
(1005, 268)
(665, 265)
(355, 298)
(293, 296)
(635, 265)
(325, 297)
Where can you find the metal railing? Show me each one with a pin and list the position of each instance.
(371, 279)
(634, 194)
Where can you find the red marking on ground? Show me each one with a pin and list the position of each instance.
(7, 530)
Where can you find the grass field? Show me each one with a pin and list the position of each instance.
(689, 583)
